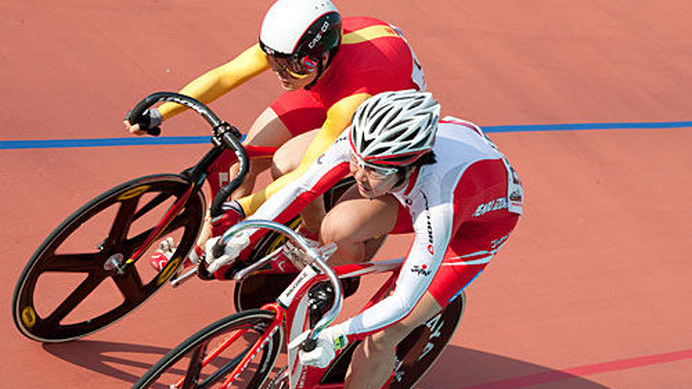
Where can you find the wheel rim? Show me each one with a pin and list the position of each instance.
(131, 204)
(191, 365)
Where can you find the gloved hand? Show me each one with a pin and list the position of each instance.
(293, 258)
(233, 248)
(329, 341)
(151, 118)
(233, 213)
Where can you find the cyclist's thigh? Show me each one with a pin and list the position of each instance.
(288, 157)
(299, 111)
(268, 130)
(356, 219)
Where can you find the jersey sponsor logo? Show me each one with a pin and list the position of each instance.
(497, 243)
(428, 221)
(492, 205)
(420, 270)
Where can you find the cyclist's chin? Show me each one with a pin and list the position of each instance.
(367, 193)
(288, 85)
(292, 84)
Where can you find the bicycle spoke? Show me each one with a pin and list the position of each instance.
(130, 285)
(194, 367)
(73, 263)
(130, 245)
(224, 370)
(123, 221)
(153, 203)
(77, 296)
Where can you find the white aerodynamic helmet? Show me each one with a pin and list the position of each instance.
(395, 128)
(300, 31)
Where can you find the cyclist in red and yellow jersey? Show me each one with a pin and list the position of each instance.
(327, 66)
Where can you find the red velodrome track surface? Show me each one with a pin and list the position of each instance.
(592, 290)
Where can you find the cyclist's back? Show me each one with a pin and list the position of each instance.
(372, 58)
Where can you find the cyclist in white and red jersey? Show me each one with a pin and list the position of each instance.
(444, 180)
(328, 65)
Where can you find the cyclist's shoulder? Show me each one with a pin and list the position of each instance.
(459, 143)
(375, 32)
(452, 129)
(354, 23)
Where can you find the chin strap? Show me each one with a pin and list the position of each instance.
(319, 74)
(321, 68)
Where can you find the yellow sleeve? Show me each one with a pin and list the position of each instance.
(338, 118)
(217, 82)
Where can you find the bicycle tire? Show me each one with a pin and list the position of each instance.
(124, 201)
(196, 345)
(419, 351)
(416, 353)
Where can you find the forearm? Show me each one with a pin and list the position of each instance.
(221, 80)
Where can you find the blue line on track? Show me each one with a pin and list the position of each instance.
(195, 140)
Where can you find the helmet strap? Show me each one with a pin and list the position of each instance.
(404, 175)
(321, 67)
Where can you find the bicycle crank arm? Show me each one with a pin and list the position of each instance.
(183, 278)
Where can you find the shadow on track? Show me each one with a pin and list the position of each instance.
(459, 368)
(124, 361)
(463, 368)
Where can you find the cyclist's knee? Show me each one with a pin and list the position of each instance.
(384, 341)
(335, 229)
(289, 156)
(283, 163)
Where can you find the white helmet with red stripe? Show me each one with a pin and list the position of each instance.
(299, 28)
(395, 128)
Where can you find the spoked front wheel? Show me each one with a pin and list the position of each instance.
(210, 356)
(79, 280)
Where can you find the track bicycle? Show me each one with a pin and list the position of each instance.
(243, 350)
(88, 272)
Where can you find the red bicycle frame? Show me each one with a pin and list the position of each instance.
(291, 310)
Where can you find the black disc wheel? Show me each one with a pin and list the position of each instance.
(416, 353)
(207, 358)
(83, 276)
(419, 351)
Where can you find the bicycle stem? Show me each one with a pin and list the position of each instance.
(315, 258)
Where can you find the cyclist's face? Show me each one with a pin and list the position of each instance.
(293, 75)
(373, 180)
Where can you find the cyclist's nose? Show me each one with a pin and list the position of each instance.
(362, 179)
